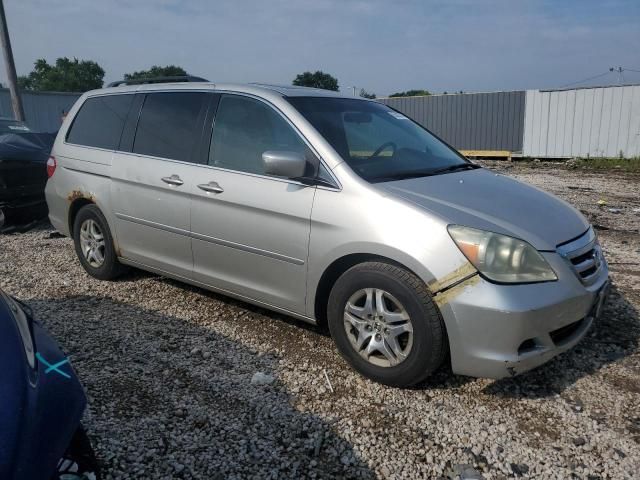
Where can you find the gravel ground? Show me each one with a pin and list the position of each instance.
(168, 371)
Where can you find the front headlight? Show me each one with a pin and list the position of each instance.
(501, 258)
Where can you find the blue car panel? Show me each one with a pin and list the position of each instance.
(40, 408)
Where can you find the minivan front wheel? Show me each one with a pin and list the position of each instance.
(94, 244)
(385, 323)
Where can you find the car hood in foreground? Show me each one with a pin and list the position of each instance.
(489, 201)
(39, 409)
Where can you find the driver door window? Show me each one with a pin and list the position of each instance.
(244, 129)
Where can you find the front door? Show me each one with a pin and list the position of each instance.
(250, 231)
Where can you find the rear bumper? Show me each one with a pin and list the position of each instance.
(497, 331)
(58, 208)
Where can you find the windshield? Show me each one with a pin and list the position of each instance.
(13, 126)
(378, 143)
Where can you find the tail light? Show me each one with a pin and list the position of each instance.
(51, 166)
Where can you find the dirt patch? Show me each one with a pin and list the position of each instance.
(624, 383)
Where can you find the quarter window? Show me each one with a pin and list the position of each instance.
(100, 121)
(244, 129)
(170, 125)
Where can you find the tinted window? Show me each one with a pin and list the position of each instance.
(170, 125)
(377, 142)
(244, 129)
(100, 121)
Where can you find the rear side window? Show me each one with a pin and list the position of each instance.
(170, 125)
(100, 121)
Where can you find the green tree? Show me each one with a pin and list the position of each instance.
(156, 71)
(411, 93)
(316, 80)
(365, 94)
(64, 76)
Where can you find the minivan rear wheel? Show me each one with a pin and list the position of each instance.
(386, 325)
(94, 244)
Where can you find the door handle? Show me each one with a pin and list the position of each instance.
(173, 180)
(212, 187)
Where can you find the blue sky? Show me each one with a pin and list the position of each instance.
(381, 46)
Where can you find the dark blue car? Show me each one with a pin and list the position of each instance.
(41, 403)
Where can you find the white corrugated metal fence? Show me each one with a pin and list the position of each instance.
(586, 122)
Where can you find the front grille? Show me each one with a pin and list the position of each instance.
(586, 264)
(585, 256)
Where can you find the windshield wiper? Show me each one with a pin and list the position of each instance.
(403, 176)
(455, 168)
(426, 173)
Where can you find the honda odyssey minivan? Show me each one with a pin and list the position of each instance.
(333, 209)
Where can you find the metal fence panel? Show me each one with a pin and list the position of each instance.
(469, 121)
(588, 122)
(43, 110)
(596, 122)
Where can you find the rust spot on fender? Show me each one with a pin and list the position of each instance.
(460, 273)
(76, 194)
(445, 297)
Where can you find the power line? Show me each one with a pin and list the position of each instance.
(586, 79)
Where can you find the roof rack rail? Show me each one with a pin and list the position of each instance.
(174, 79)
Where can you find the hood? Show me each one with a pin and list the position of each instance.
(29, 147)
(39, 410)
(485, 200)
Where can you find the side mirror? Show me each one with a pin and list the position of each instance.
(284, 163)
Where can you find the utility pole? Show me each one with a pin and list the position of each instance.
(620, 76)
(16, 102)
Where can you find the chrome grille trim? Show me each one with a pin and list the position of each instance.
(579, 244)
(575, 251)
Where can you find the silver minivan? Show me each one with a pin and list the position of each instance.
(332, 209)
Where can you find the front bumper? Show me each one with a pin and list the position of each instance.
(497, 331)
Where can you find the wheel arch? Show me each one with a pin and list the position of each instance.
(74, 208)
(336, 269)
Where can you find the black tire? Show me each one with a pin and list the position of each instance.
(110, 267)
(79, 461)
(429, 346)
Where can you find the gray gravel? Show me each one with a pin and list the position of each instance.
(183, 383)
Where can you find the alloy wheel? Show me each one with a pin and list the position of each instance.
(92, 243)
(378, 327)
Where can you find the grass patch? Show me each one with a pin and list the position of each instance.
(623, 164)
(615, 164)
